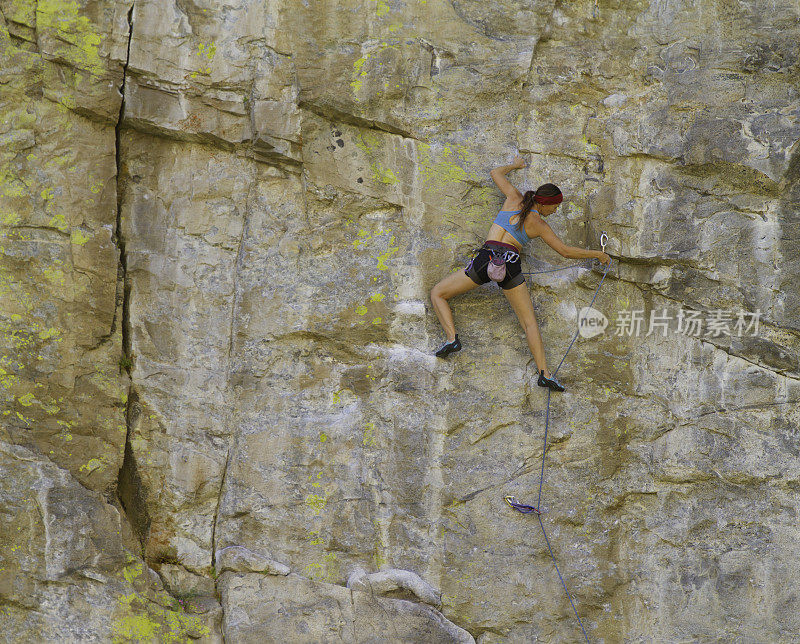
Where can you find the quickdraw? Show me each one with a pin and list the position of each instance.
(521, 507)
(510, 256)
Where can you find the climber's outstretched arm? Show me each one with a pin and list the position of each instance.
(573, 252)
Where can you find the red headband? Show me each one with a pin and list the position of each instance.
(549, 200)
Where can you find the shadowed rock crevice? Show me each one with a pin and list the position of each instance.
(129, 484)
(216, 515)
(123, 287)
(334, 114)
(130, 488)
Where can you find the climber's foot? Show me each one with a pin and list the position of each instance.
(449, 347)
(551, 382)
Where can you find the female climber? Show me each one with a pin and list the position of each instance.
(520, 220)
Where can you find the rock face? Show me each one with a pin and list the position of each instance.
(69, 568)
(221, 415)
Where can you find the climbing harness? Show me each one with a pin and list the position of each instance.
(536, 509)
(496, 268)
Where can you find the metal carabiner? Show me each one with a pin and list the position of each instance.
(603, 241)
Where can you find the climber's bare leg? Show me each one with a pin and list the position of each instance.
(454, 284)
(520, 300)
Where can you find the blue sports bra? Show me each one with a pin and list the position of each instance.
(503, 219)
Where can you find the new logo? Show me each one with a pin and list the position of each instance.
(591, 322)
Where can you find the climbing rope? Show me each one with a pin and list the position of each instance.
(531, 509)
(553, 270)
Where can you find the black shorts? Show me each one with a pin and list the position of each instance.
(476, 270)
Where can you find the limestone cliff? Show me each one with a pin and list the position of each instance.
(221, 416)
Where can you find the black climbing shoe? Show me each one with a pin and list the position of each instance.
(554, 384)
(448, 348)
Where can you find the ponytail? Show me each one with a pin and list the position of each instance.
(530, 198)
